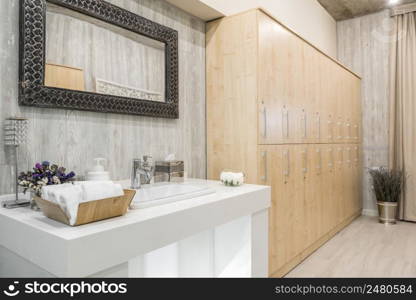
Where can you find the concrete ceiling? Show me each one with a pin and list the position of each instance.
(347, 9)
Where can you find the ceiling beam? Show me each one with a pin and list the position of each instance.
(197, 9)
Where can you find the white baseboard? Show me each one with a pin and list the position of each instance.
(370, 212)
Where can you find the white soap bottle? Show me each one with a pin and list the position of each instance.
(98, 172)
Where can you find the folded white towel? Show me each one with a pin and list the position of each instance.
(97, 190)
(69, 196)
(50, 192)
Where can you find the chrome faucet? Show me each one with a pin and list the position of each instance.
(135, 176)
(142, 172)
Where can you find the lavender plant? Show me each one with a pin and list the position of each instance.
(388, 184)
(44, 174)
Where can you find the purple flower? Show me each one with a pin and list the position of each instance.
(70, 175)
(44, 174)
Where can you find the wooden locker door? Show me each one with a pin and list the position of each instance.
(313, 101)
(271, 173)
(328, 100)
(339, 111)
(339, 124)
(313, 194)
(272, 90)
(279, 58)
(350, 202)
(357, 111)
(299, 110)
(357, 178)
(349, 107)
(299, 169)
(280, 168)
(339, 182)
(330, 206)
(344, 102)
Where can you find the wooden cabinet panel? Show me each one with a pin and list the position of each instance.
(281, 167)
(338, 94)
(349, 106)
(339, 183)
(330, 195)
(232, 96)
(276, 121)
(349, 181)
(357, 117)
(283, 111)
(357, 174)
(313, 98)
(327, 99)
(313, 194)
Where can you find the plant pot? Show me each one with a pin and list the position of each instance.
(387, 212)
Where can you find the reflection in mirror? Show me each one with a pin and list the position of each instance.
(86, 54)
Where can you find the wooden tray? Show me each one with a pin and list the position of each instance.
(89, 212)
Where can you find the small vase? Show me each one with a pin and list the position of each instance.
(33, 205)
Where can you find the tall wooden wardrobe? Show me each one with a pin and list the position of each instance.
(288, 116)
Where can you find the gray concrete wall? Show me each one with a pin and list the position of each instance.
(74, 138)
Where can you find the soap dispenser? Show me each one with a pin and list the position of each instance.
(98, 173)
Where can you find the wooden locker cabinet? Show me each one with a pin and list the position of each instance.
(287, 116)
(304, 97)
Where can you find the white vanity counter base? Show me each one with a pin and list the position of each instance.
(86, 250)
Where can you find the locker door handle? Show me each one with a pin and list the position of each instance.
(264, 155)
(304, 121)
(305, 161)
(318, 126)
(285, 122)
(349, 131)
(356, 131)
(357, 155)
(331, 159)
(264, 122)
(339, 130)
(319, 166)
(349, 156)
(330, 130)
(287, 171)
(340, 156)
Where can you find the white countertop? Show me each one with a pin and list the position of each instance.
(81, 251)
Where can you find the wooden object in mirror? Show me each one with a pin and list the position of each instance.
(64, 77)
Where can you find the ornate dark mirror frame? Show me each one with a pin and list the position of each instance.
(33, 92)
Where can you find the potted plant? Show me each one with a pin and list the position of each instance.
(43, 174)
(388, 185)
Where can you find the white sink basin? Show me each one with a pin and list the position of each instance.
(163, 193)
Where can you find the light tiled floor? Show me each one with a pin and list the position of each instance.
(364, 249)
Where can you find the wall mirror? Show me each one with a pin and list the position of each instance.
(92, 55)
